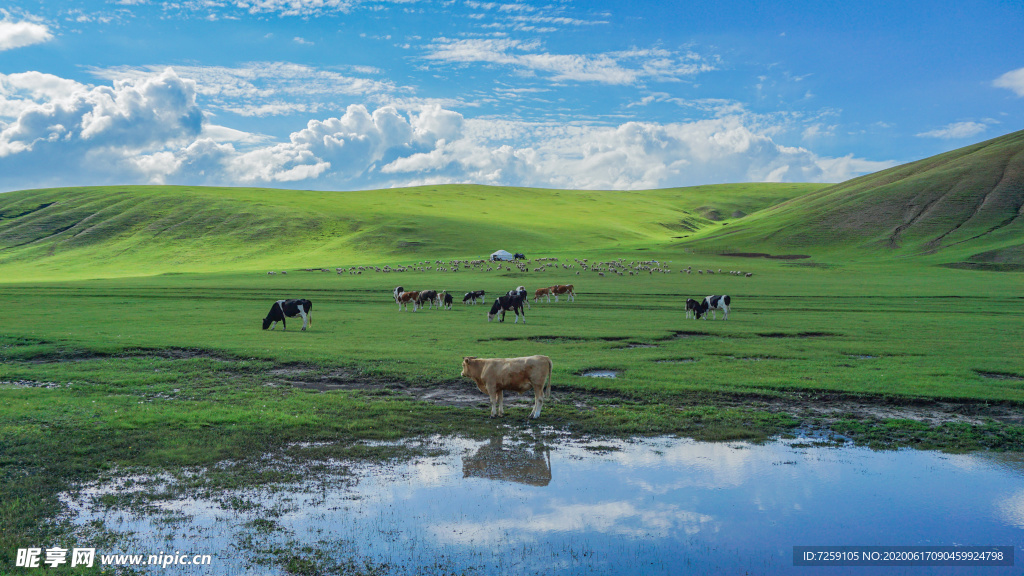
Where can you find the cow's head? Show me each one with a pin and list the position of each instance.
(266, 322)
(494, 309)
(465, 365)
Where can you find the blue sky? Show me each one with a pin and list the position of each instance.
(363, 94)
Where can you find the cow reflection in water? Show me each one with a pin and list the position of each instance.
(516, 463)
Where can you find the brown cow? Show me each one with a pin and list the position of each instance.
(566, 289)
(406, 297)
(495, 375)
(542, 292)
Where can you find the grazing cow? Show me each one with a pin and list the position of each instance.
(428, 296)
(495, 375)
(694, 309)
(520, 256)
(405, 297)
(398, 290)
(715, 303)
(446, 299)
(289, 309)
(565, 289)
(542, 292)
(471, 297)
(513, 302)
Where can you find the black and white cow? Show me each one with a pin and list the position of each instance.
(520, 291)
(512, 301)
(398, 290)
(289, 309)
(520, 256)
(694, 309)
(446, 300)
(472, 296)
(715, 303)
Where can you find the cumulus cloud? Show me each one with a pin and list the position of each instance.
(264, 88)
(625, 67)
(956, 130)
(149, 128)
(66, 129)
(18, 34)
(634, 155)
(1012, 80)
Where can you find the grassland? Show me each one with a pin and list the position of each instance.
(99, 232)
(132, 340)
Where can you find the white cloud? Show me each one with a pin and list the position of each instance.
(956, 130)
(265, 88)
(626, 67)
(18, 34)
(633, 155)
(150, 128)
(1012, 80)
(22, 91)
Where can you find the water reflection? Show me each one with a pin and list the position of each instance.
(512, 463)
(656, 506)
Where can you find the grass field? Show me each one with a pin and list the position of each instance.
(132, 335)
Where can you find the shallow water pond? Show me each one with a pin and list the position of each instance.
(654, 506)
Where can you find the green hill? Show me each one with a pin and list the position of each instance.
(962, 206)
(139, 230)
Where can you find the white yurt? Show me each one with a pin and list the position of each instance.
(501, 255)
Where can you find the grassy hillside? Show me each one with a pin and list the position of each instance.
(964, 205)
(140, 230)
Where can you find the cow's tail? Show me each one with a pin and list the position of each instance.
(547, 387)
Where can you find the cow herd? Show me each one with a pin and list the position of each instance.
(493, 376)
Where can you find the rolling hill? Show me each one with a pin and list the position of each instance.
(963, 207)
(142, 230)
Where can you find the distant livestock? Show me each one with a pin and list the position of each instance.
(542, 292)
(513, 302)
(715, 303)
(520, 256)
(495, 375)
(289, 309)
(405, 297)
(564, 289)
(521, 291)
(471, 297)
(428, 297)
(693, 309)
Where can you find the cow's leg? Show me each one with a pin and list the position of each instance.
(284, 323)
(501, 403)
(538, 401)
(494, 402)
(303, 314)
(274, 325)
(556, 297)
(725, 314)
